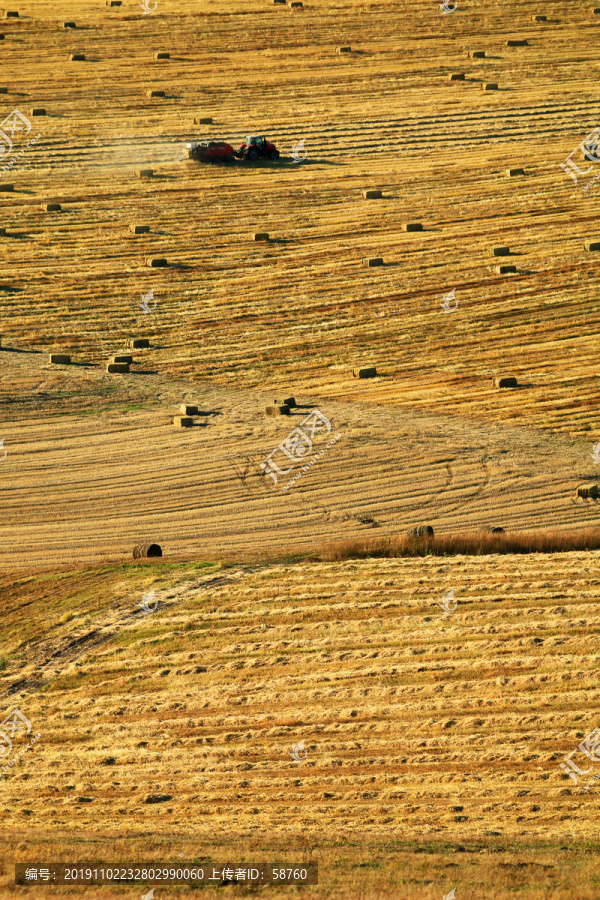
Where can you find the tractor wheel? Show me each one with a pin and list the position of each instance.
(274, 154)
(230, 158)
(252, 154)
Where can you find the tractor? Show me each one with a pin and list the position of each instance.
(210, 151)
(257, 148)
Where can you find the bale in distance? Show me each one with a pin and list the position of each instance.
(539, 18)
(11, 14)
(7, 186)
(77, 57)
(188, 410)
(372, 195)
(477, 54)
(117, 368)
(144, 173)
(162, 54)
(51, 207)
(295, 4)
(113, 2)
(138, 343)
(592, 245)
(156, 262)
(207, 120)
(260, 235)
(412, 226)
(505, 382)
(421, 531)
(505, 270)
(147, 550)
(343, 49)
(69, 25)
(139, 229)
(155, 93)
(372, 261)
(596, 11)
(500, 251)
(282, 410)
(1, 37)
(183, 421)
(279, 1)
(456, 76)
(368, 372)
(2, 232)
(512, 173)
(121, 358)
(3, 90)
(514, 42)
(587, 491)
(289, 401)
(38, 111)
(61, 359)
(489, 86)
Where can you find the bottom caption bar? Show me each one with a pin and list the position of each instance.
(160, 873)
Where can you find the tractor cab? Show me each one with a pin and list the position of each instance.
(258, 146)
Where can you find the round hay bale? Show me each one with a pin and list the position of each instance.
(512, 173)
(587, 491)
(188, 410)
(144, 173)
(51, 207)
(38, 111)
(162, 54)
(372, 261)
(6, 186)
(183, 421)
(412, 226)
(506, 270)
(368, 372)
(457, 76)
(61, 359)
(117, 368)
(489, 86)
(156, 262)
(506, 382)
(77, 57)
(592, 245)
(500, 251)
(372, 195)
(260, 235)
(147, 551)
(155, 93)
(425, 531)
(282, 410)
(139, 229)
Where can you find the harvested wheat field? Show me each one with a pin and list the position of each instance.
(272, 369)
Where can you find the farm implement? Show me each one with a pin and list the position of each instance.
(220, 151)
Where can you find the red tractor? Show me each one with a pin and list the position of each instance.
(210, 151)
(257, 148)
